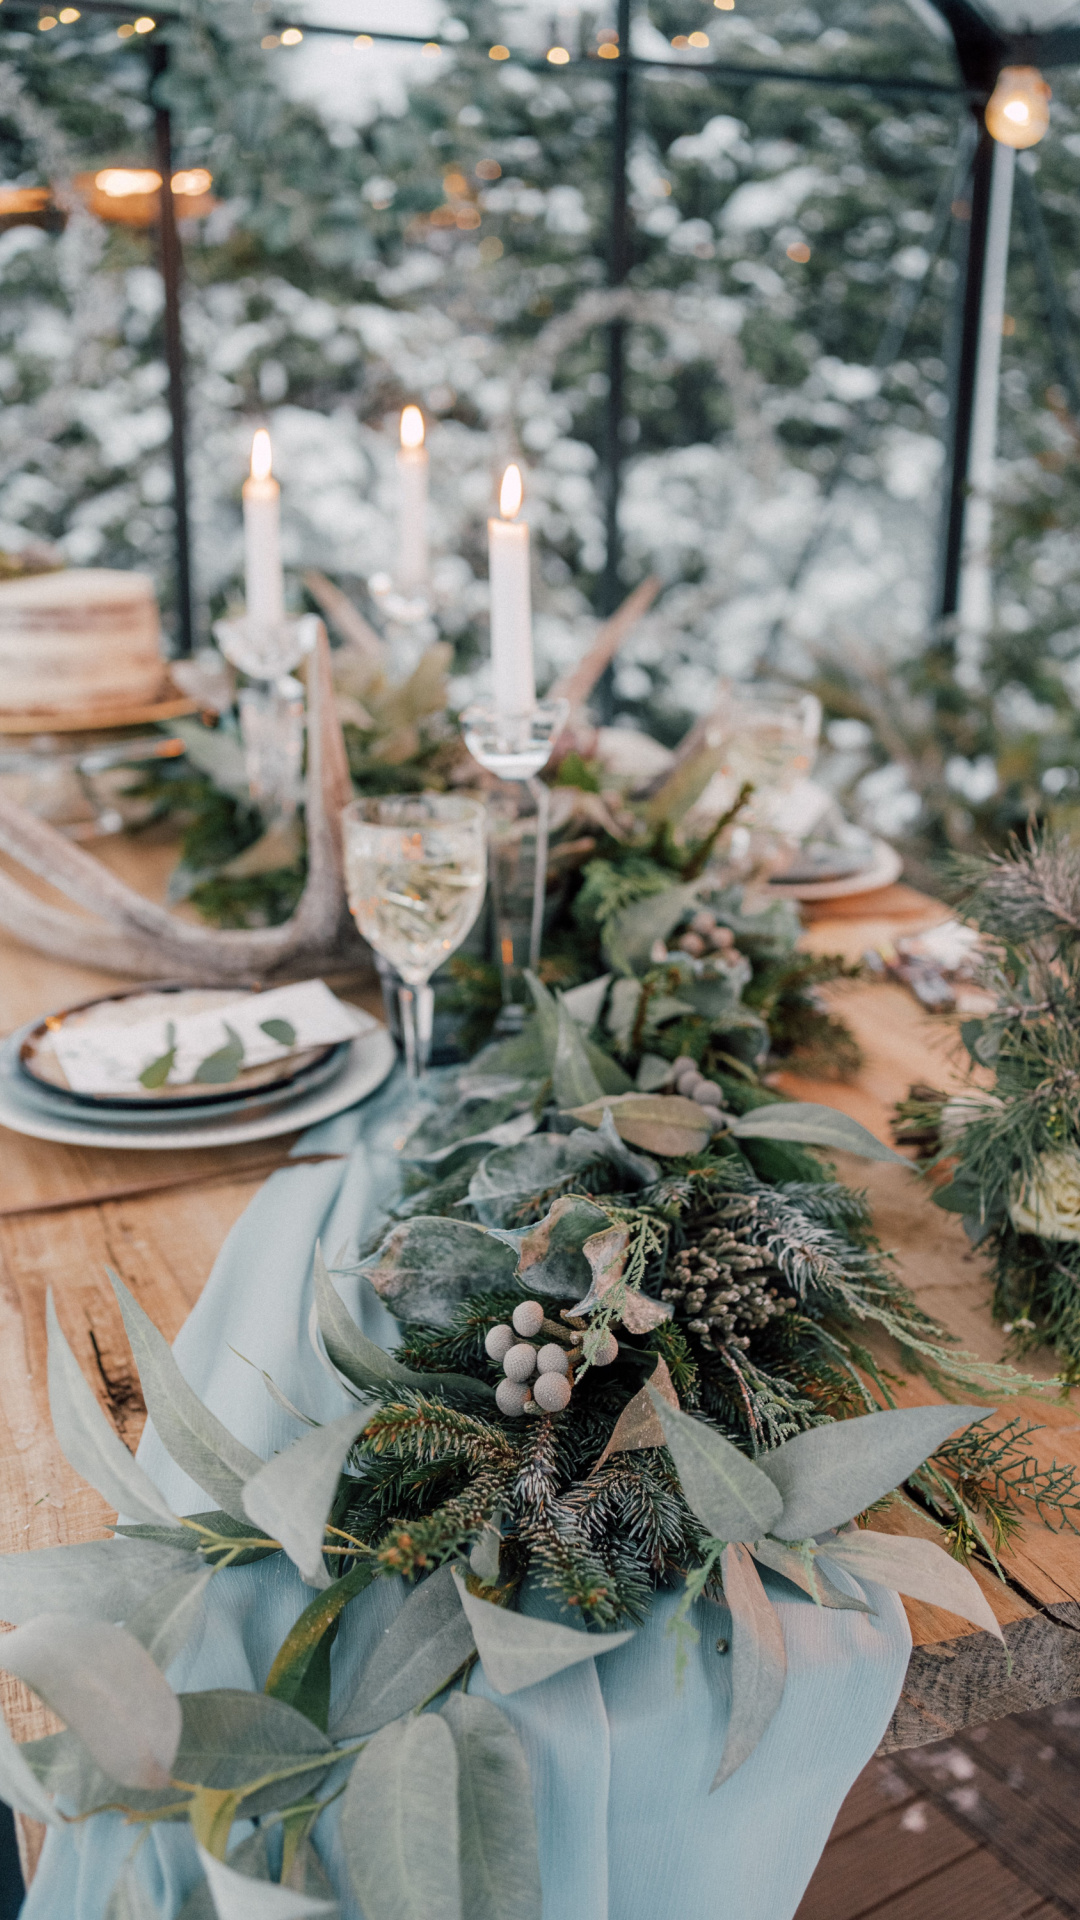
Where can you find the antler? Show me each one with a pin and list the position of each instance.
(146, 941)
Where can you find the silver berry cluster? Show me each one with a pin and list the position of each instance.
(687, 1078)
(538, 1378)
(719, 1289)
(703, 935)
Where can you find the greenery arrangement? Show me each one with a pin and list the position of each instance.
(1012, 1143)
(635, 1327)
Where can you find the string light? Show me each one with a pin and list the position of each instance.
(498, 53)
(363, 40)
(291, 37)
(1018, 110)
(558, 56)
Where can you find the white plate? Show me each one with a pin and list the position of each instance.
(887, 867)
(371, 1057)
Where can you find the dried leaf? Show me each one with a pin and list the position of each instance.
(166, 1620)
(730, 1495)
(638, 1424)
(606, 1255)
(661, 1123)
(425, 1646)
(105, 1687)
(574, 1080)
(364, 1363)
(829, 1474)
(919, 1568)
(552, 1258)
(758, 1660)
(517, 1651)
(195, 1437)
(97, 1579)
(500, 1862)
(237, 1897)
(426, 1265)
(399, 1823)
(810, 1125)
(88, 1441)
(292, 1495)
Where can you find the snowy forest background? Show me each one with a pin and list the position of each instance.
(397, 227)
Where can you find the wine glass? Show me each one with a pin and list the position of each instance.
(415, 871)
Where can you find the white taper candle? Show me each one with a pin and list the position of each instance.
(264, 579)
(412, 466)
(511, 604)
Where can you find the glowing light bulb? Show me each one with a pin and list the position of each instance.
(1018, 110)
(511, 493)
(412, 427)
(119, 183)
(261, 456)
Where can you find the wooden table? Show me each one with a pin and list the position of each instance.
(160, 1218)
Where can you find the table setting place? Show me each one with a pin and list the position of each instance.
(521, 1522)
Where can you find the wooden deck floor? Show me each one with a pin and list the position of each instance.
(984, 1826)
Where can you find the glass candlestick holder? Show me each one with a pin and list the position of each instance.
(265, 650)
(272, 706)
(517, 747)
(403, 606)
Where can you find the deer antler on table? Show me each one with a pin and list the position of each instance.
(131, 935)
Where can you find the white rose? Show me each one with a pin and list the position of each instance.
(1049, 1204)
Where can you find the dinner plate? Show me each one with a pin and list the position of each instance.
(370, 1058)
(40, 1063)
(887, 867)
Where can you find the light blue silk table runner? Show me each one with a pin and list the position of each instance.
(621, 1758)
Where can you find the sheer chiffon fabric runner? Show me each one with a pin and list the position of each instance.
(621, 1757)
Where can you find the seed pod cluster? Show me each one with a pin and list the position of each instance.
(537, 1378)
(719, 1289)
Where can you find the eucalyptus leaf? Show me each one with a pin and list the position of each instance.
(237, 1897)
(500, 1862)
(97, 1579)
(19, 1785)
(585, 1003)
(195, 1437)
(575, 1083)
(506, 1134)
(364, 1363)
(809, 1574)
(424, 1646)
(166, 1620)
(623, 1009)
(517, 1651)
(509, 1177)
(628, 936)
(87, 1439)
(156, 1074)
(427, 1265)
(551, 1254)
(485, 1553)
(829, 1474)
(731, 1496)
(292, 1495)
(282, 1031)
(758, 1660)
(919, 1568)
(636, 1168)
(807, 1124)
(66, 1768)
(130, 1899)
(300, 1674)
(223, 1065)
(232, 1738)
(250, 1856)
(225, 1525)
(399, 1823)
(105, 1687)
(609, 1074)
(481, 1107)
(661, 1123)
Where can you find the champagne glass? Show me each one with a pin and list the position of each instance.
(415, 870)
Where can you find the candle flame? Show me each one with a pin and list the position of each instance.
(412, 427)
(261, 457)
(511, 494)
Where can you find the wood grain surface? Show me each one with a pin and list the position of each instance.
(67, 1213)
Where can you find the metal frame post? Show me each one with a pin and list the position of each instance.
(964, 365)
(171, 262)
(620, 254)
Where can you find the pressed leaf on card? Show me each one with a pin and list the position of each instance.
(830, 1473)
(730, 1495)
(399, 1823)
(197, 1440)
(500, 1862)
(291, 1497)
(88, 1441)
(105, 1687)
(517, 1651)
(427, 1643)
(758, 1660)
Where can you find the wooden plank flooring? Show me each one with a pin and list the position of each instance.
(983, 1826)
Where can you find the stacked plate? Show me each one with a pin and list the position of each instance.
(279, 1096)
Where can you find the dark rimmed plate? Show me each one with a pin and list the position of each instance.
(297, 1072)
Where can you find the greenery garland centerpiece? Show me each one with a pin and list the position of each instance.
(637, 1352)
(1011, 1142)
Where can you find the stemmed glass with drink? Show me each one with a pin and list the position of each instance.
(415, 871)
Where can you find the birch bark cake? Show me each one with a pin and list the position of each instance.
(81, 641)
